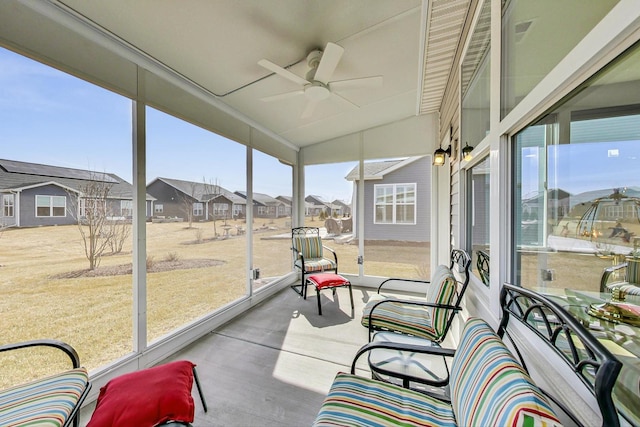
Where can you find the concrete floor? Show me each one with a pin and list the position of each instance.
(274, 365)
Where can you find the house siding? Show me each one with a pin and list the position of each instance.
(418, 172)
(28, 207)
(169, 198)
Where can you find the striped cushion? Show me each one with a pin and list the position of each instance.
(316, 264)
(488, 387)
(308, 246)
(627, 288)
(442, 290)
(358, 401)
(45, 402)
(424, 322)
(403, 318)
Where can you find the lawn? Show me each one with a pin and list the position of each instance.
(49, 294)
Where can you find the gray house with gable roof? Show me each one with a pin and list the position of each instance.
(38, 195)
(206, 201)
(397, 199)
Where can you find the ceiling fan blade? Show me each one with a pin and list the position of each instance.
(345, 100)
(364, 82)
(309, 109)
(282, 96)
(328, 62)
(282, 72)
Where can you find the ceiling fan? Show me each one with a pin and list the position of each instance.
(317, 86)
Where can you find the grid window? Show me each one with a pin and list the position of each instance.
(51, 206)
(395, 204)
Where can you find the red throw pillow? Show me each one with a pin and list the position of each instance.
(147, 398)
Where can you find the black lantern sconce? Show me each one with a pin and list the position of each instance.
(466, 152)
(439, 154)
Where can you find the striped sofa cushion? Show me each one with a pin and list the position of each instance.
(308, 246)
(424, 322)
(359, 401)
(45, 402)
(488, 387)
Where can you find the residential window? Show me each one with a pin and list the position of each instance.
(531, 47)
(51, 206)
(158, 208)
(478, 208)
(8, 205)
(126, 208)
(395, 204)
(262, 210)
(576, 186)
(475, 81)
(198, 209)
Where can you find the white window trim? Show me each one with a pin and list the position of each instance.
(158, 208)
(393, 210)
(51, 197)
(8, 203)
(198, 209)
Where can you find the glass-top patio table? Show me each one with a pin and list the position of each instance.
(621, 338)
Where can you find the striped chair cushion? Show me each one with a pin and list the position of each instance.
(308, 246)
(424, 322)
(627, 288)
(359, 401)
(442, 290)
(398, 317)
(316, 264)
(488, 387)
(45, 402)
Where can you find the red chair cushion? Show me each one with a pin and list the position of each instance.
(327, 280)
(146, 398)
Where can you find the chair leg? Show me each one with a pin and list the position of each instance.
(319, 305)
(197, 380)
(351, 296)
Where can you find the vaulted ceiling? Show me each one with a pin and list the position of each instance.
(407, 45)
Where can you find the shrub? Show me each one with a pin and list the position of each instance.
(172, 257)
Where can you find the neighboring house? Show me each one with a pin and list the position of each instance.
(287, 205)
(36, 195)
(205, 201)
(340, 208)
(397, 199)
(316, 204)
(265, 206)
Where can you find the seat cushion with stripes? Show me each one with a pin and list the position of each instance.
(46, 402)
(627, 288)
(489, 388)
(359, 401)
(316, 264)
(412, 319)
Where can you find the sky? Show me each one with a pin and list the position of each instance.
(49, 117)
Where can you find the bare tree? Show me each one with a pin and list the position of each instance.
(187, 200)
(119, 231)
(212, 191)
(89, 208)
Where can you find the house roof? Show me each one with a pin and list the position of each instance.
(17, 176)
(377, 170)
(262, 198)
(200, 191)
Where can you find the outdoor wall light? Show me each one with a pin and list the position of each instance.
(466, 152)
(438, 156)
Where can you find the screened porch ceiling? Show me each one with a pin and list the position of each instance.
(216, 46)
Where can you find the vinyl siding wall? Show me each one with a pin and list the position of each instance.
(418, 172)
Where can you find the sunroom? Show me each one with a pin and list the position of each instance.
(535, 106)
